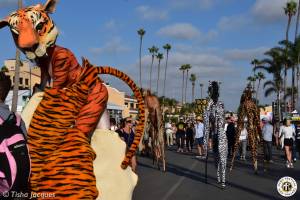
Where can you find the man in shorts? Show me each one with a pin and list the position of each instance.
(199, 129)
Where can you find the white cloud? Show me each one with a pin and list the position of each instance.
(268, 11)
(245, 54)
(111, 25)
(232, 22)
(113, 46)
(149, 13)
(180, 31)
(200, 4)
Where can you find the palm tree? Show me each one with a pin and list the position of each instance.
(167, 47)
(298, 56)
(260, 76)
(274, 64)
(4, 69)
(14, 103)
(182, 68)
(153, 51)
(297, 20)
(255, 62)
(159, 56)
(297, 53)
(141, 32)
(187, 67)
(201, 88)
(289, 93)
(251, 80)
(193, 80)
(290, 10)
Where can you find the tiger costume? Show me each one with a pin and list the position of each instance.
(69, 111)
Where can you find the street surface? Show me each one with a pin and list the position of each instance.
(185, 179)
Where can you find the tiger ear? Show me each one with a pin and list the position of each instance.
(50, 6)
(3, 23)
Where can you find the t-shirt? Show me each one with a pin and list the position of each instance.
(199, 130)
(267, 132)
(180, 128)
(168, 128)
(128, 138)
(189, 132)
(244, 134)
(287, 132)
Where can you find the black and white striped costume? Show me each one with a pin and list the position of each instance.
(214, 121)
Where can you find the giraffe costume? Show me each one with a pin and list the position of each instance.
(249, 110)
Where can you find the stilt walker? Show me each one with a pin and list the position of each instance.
(250, 112)
(214, 122)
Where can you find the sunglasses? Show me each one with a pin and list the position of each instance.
(129, 121)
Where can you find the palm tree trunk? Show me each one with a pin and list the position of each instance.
(165, 78)
(141, 41)
(158, 70)
(293, 86)
(253, 85)
(279, 105)
(201, 93)
(151, 67)
(297, 20)
(14, 103)
(296, 34)
(182, 87)
(297, 84)
(164, 90)
(193, 93)
(187, 75)
(285, 69)
(256, 96)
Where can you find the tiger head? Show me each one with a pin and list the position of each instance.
(32, 29)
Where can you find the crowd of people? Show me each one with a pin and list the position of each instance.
(185, 134)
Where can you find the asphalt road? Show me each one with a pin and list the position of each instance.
(185, 179)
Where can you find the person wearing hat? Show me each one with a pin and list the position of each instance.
(199, 128)
(267, 132)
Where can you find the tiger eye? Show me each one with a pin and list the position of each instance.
(39, 26)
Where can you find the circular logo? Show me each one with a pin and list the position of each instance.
(287, 186)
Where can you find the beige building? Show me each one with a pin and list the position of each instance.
(131, 105)
(121, 105)
(29, 75)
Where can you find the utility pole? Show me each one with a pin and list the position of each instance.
(14, 104)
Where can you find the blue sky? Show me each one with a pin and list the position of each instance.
(219, 38)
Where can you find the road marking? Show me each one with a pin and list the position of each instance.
(176, 185)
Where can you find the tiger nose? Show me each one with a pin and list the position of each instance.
(27, 35)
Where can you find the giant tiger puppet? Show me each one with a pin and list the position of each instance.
(248, 112)
(214, 123)
(68, 113)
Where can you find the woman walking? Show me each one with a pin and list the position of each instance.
(287, 135)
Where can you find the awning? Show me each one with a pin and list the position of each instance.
(112, 106)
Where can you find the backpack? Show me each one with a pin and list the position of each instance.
(14, 156)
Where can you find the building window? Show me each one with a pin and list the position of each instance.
(26, 81)
(126, 104)
(21, 81)
(131, 105)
